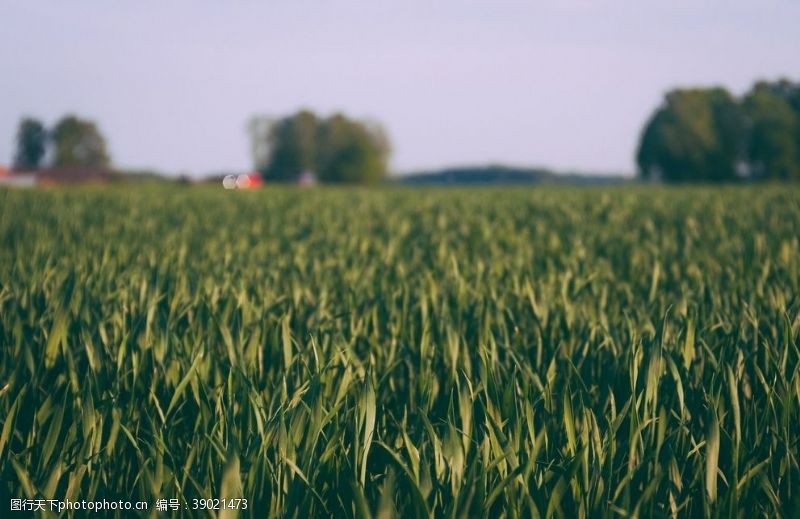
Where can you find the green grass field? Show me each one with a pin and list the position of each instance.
(449, 353)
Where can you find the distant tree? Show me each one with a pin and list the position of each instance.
(78, 143)
(696, 135)
(292, 144)
(31, 144)
(784, 88)
(351, 151)
(336, 149)
(773, 114)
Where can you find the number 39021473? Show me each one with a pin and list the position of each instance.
(219, 504)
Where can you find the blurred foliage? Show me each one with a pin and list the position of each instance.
(351, 151)
(78, 143)
(504, 175)
(31, 144)
(773, 110)
(336, 149)
(708, 135)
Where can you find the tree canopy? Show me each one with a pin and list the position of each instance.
(31, 144)
(336, 148)
(709, 135)
(773, 110)
(351, 151)
(78, 143)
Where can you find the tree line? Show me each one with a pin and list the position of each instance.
(72, 142)
(699, 134)
(709, 135)
(335, 149)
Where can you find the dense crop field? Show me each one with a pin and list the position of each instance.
(519, 353)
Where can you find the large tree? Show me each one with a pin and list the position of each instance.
(79, 143)
(773, 114)
(351, 151)
(336, 149)
(31, 144)
(696, 135)
(707, 135)
(292, 144)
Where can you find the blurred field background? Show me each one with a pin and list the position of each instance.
(560, 351)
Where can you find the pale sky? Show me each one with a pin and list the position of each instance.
(564, 84)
